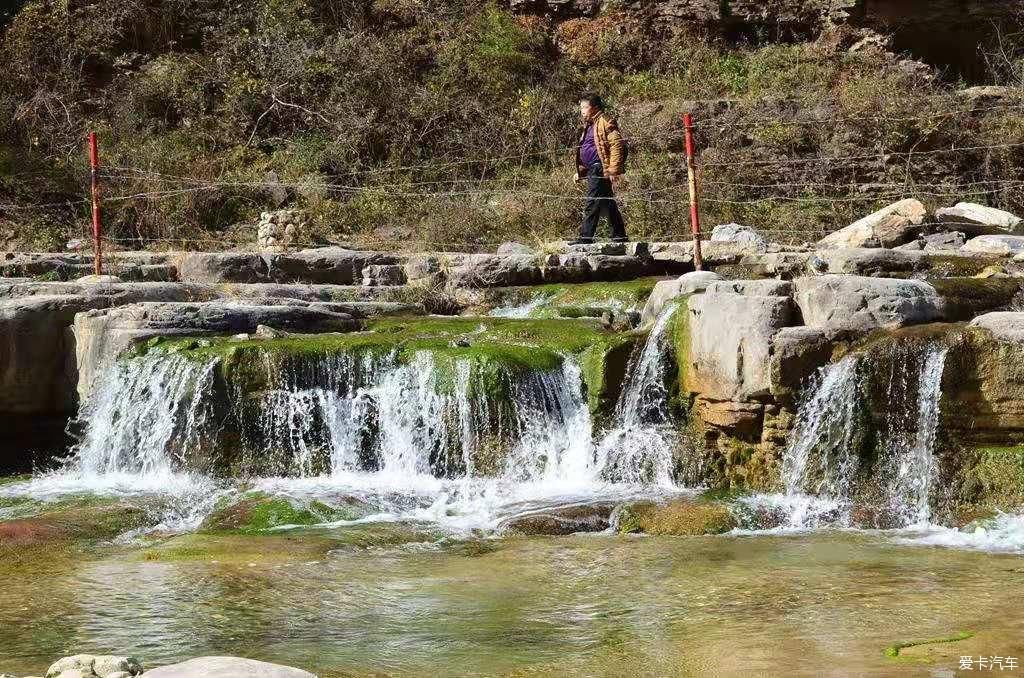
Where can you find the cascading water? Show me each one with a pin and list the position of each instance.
(644, 437)
(819, 463)
(912, 461)
(857, 411)
(457, 440)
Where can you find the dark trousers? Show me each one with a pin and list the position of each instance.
(601, 199)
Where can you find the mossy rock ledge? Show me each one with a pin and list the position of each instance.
(679, 517)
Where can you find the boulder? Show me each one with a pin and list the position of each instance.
(785, 265)
(78, 662)
(109, 666)
(890, 226)
(492, 270)
(732, 326)
(1003, 245)
(219, 267)
(667, 290)
(739, 234)
(383, 274)
(226, 667)
(103, 335)
(97, 279)
(943, 242)
(861, 304)
(975, 219)
(423, 269)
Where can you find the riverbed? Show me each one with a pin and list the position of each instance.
(802, 603)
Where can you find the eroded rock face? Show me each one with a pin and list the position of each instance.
(732, 326)
(861, 304)
(890, 226)
(797, 353)
(987, 385)
(36, 375)
(227, 667)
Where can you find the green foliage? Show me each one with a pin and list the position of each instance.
(403, 125)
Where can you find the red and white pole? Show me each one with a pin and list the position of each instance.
(691, 172)
(97, 229)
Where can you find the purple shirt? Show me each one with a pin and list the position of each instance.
(588, 149)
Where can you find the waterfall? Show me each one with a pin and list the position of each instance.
(911, 463)
(820, 460)
(145, 416)
(373, 413)
(641, 444)
(837, 432)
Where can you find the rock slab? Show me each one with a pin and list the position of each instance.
(862, 304)
(227, 667)
(890, 226)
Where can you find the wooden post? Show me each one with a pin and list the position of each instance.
(97, 229)
(691, 172)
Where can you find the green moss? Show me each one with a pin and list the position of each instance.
(259, 513)
(64, 529)
(683, 517)
(681, 342)
(582, 299)
(492, 346)
(893, 650)
(993, 480)
(957, 266)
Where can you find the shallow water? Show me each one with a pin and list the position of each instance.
(814, 603)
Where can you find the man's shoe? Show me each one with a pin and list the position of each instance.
(620, 240)
(582, 241)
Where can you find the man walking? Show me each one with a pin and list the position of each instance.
(600, 160)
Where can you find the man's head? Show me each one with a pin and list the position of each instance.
(590, 105)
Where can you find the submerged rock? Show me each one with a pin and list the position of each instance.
(682, 517)
(227, 667)
(560, 520)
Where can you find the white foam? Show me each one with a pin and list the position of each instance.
(1004, 533)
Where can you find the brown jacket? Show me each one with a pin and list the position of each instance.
(609, 143)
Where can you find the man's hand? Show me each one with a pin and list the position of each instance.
(618, 180)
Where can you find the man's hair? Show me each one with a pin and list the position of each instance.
(594, 99)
